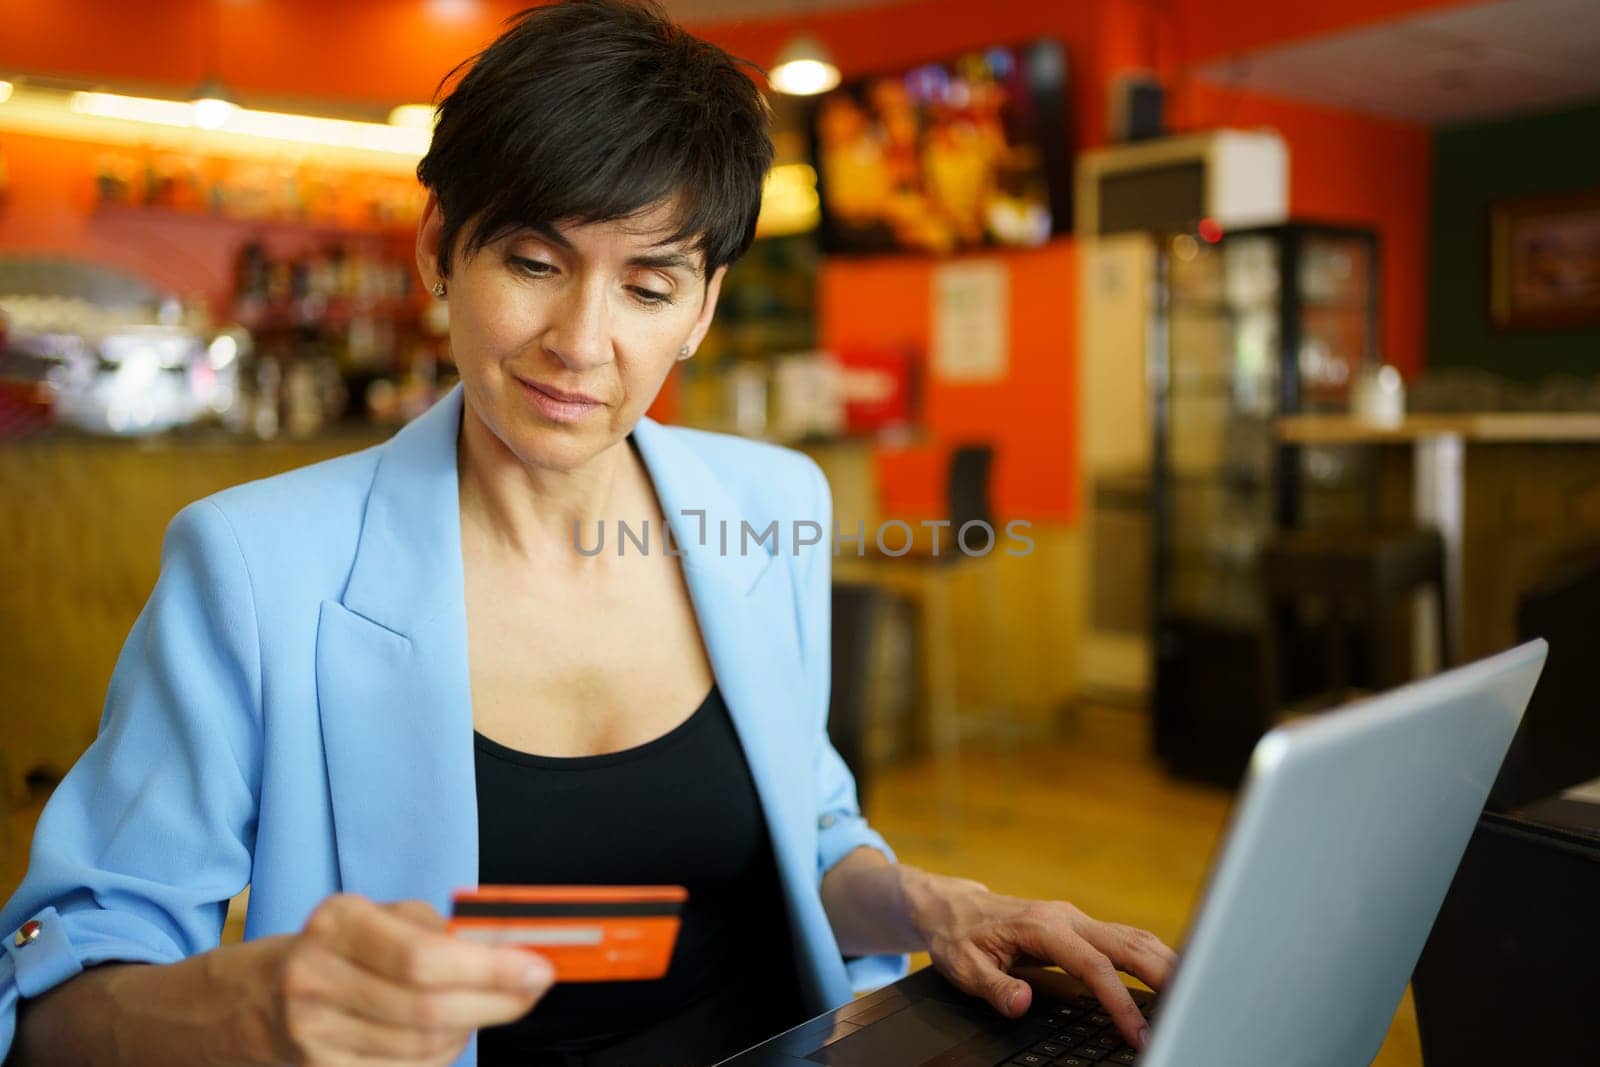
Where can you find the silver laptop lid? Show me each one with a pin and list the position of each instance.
(1341, 849)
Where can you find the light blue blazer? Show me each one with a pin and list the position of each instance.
(291, 710)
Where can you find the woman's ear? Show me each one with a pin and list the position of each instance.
(702, 323)
(428, 231)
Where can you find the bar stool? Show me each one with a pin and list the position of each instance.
(1360, 576)
(925, 578)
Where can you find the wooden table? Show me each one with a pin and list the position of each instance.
(1512, 493)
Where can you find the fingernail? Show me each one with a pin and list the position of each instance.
(536, 977)
(1144, 1037)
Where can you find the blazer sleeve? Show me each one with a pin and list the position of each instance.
(840, 826)
(142, 844)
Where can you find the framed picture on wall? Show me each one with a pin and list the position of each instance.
(1545, 261)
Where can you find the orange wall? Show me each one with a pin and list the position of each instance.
(50, 210)
(1029, 416)
(362, 51)
(1343, 166)
(1347, 168)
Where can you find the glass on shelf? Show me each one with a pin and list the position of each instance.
(1255, 362)
(1333, 270)
(1251, 272)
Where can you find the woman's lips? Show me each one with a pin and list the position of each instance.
(556, 405)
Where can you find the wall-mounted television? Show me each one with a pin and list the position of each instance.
(962, 154)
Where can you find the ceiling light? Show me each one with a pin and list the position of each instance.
(211, 104)
(5, 91)
(412, 116)
(804, 68)
(305, 129)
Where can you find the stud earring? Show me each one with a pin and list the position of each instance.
(684, 353)
(438, 290)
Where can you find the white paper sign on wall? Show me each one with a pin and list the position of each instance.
(971, 335)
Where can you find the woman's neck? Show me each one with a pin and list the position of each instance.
(538, 512)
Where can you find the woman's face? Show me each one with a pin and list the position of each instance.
(564, 337)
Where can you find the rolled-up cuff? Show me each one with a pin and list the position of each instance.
(839, 835)
(41, 953)
(60, 948)
(872, 972)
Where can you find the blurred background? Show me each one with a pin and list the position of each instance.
(1278, 325)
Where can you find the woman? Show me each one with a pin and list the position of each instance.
(362, 685)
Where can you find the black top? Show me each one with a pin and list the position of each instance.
(678, 810)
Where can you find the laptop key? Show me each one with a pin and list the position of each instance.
(1030, 1059)
(1099, 1018)
(1079, 1031)
(1048, 1049)
(1091, 1052)
(1111, 1041)
(1127, 1055)
(1073, 1061)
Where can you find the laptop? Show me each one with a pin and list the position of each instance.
(1339, 852)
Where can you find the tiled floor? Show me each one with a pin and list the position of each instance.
(1090, 819)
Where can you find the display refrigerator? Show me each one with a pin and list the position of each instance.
(1246, 326)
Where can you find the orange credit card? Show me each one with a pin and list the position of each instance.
(589, 933)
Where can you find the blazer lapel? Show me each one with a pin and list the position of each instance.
(392, 681)
(743, 602)
(392, 668)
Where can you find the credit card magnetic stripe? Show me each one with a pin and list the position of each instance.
(567, 909)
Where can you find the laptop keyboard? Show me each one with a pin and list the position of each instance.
(1077, 1034)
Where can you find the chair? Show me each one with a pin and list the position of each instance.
(1509, 961)
(855, 619)
(1558, 742)
(924, 577)
(1358, 577)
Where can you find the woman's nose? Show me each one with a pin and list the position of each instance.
(579, 331)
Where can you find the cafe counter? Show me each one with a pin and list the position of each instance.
(1516, 496)
(81, 522)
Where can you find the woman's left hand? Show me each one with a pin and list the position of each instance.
(976, 937)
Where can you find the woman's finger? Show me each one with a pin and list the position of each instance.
(402, 951)
(1138, 952)
(354, 989)
(1048, 934)
(978, 974)
(419, 912)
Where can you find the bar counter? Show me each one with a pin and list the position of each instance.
(81, 522)
(1516, 496)
(1501, 427)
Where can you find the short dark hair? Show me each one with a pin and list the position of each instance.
(592, 111)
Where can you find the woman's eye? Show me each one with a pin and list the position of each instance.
(651, 296)
(532, 266)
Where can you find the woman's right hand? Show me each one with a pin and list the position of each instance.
(368, 983)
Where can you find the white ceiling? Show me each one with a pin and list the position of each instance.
(1479, 62)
